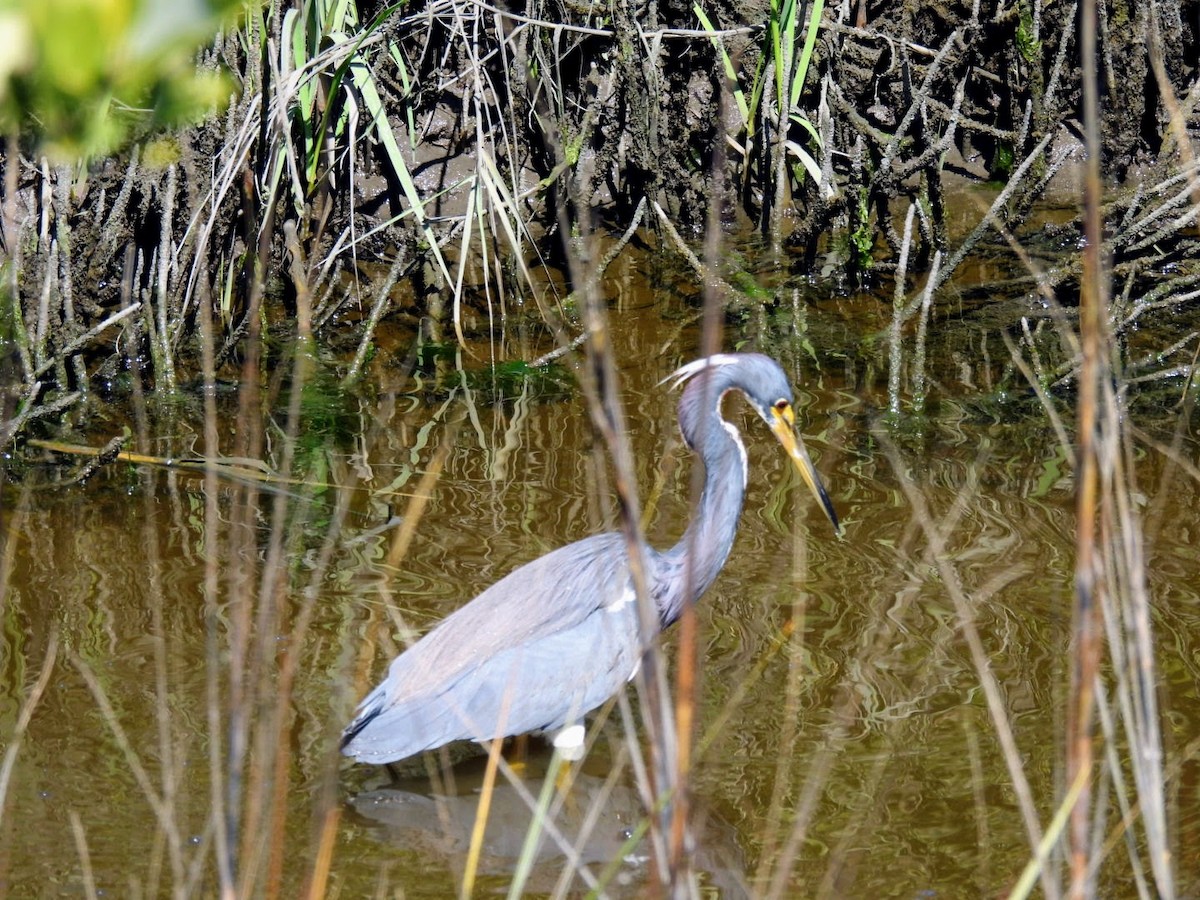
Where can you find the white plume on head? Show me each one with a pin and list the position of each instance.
(683, 373)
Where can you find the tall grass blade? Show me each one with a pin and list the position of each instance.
(739, 95)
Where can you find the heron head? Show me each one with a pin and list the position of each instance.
(765, 385)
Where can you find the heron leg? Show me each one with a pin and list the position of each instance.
(569, 742)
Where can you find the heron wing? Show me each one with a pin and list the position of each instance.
(547, 643)
(537, 686)
(549, 595)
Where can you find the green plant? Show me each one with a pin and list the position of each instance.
(83, 78)
(782, 67)
(334, 97)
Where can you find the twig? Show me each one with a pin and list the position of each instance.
(899, 315)
(85, 858)
(27, 707)
(86, 338)
(992, 215)
(382, 299)
(937, 537)
(1086, 624)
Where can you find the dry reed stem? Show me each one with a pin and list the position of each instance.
(223, 833)
(845, 710)
(319, 879)
(687, 662)
(170, 772)
(1087, 610)
(600, 385)
(85, 858)
(936, 536)
(267, 785)
(327, 810)
(159, 803)
(278, 685)
(481, 817)
(1124, 602)
(245, 657)
(1127, 617)
(31, 701)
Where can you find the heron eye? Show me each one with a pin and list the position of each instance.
(781, 405)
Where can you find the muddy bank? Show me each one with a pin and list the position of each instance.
(452, 152)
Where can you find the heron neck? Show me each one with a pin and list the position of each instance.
(705, 545)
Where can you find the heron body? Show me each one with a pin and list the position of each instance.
(558, 636)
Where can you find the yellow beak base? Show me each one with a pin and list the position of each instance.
(781, 426)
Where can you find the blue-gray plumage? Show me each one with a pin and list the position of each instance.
(558, 636)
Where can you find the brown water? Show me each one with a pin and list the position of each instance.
(873, 703)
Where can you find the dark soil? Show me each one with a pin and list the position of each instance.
(586, 114)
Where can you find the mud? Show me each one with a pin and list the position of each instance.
(572, 118)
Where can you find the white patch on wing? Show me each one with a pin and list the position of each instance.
(623, 599)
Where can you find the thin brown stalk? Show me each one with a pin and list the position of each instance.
(607, 417)
(247, 659)
(162, 812)
(28, 705)
(277, 685)
(936, 537)
(327, 811)
(1088, 604)
(600, 384)
(85, 857)
(486, 793)
(219, 798)
(327, 837)
(170, 774)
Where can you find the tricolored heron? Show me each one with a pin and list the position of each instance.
(558, 636)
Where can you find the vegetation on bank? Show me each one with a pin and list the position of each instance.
(419, 161)
(454, 145)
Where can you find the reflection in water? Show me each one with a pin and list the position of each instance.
(595, 821)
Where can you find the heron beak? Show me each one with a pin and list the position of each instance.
(781, 426)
